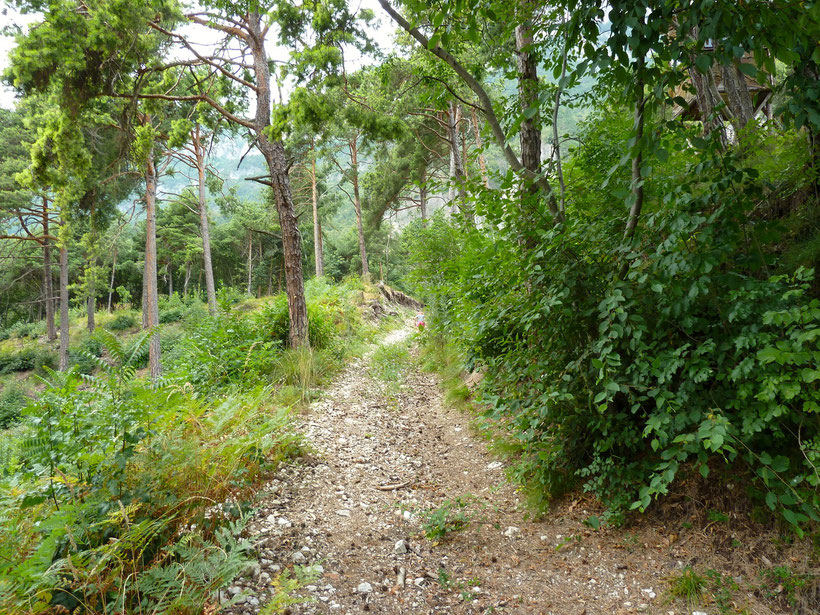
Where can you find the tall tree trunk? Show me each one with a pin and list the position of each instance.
(737, 94)
(210, 288)
(111, 283)
(48, 285)
(482, 160)
(64, 322)
(170, 271)
(357, 204)
(145, 318)
(530, 132)
(557, 142)
(151, 303)
(458, 178)
(317, 230)
(274, 153)
(250, 261)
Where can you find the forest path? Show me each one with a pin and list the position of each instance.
(387, 451)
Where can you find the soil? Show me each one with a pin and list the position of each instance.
(387, 455)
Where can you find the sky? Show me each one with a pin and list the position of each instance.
(382, 33)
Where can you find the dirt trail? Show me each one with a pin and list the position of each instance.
(383, 454)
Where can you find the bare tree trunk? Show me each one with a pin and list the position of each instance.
(48, 285)
(151, 303)
(169, 269)
(317, 231)
(145, 319)
(530, 133)
(274, 153)
(557, 143)
(357, 203)
(482, 160)
(740, 101)
(250, 261)
(64, 322)
(458, 177)
(210, 288)
(111, 284)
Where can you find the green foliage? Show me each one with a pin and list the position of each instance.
(616, 367)
(29, 358)
(453, 515)
(123, 322)
(688, 586)
(285, 586)
(390, 361)
(275, 319)
(12, 401)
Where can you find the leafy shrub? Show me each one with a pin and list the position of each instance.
(32, 358)
(12, 401)
(275, 321)
(171, 315)
(619, 367)
(122, 322)
(23, 329)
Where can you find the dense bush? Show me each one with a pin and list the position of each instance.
(12, 401)
(274, 321)
(619, 367)
(31, 358)
(122, 322)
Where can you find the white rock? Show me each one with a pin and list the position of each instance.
(343, 512)
(298, 557)
(400, 547)
(419, 582)
(284, 522)
(364, 588)
(511, 531)
(698, 613)
(494, 465)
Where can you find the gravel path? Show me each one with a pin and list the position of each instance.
(353, 511)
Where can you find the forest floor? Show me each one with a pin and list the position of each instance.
(401, 508)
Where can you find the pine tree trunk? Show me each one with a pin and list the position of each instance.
(210, 288)
(170, 271)
(357, 203)
(274, 153)
(48, 285)
(423, 196)
(64, 322)
(151, 303)
(317, 230)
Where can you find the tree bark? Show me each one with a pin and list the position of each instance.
(64, 322)
(274, 153)
(530, 132)
(317, 231)
(458, 178)
(737, 94)
(169, 269)
(151, 303)
(48, 285)
(210, 288)
(357, 204)
(423, 196)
